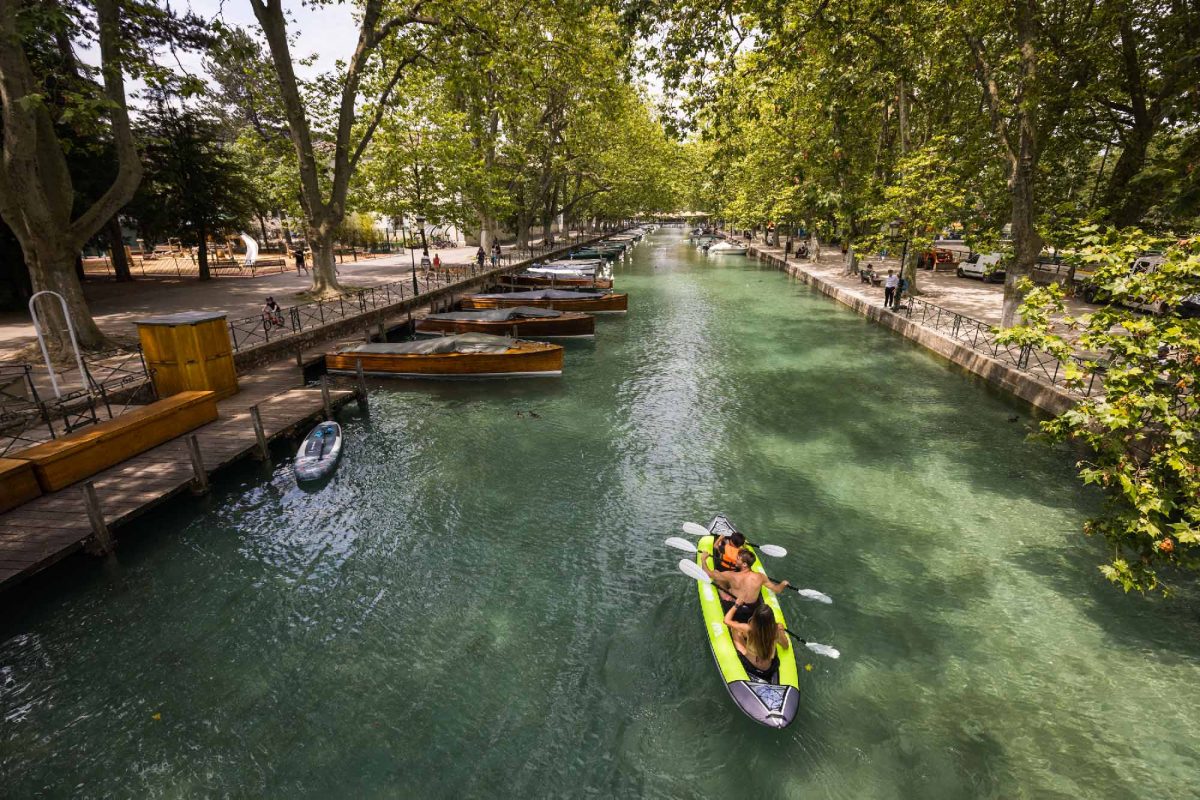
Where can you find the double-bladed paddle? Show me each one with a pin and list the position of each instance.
(680, 543)
(773, 550)
(695, 572)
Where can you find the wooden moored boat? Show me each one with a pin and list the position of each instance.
(541, 323)
(560, 299)
(578, 280)
(465, 355)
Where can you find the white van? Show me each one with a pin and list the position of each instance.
(986, 267)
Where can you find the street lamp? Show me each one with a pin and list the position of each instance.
(413, 260)
(425, 263)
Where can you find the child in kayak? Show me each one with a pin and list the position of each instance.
(742, 587)
(755, 641)
(725, 551)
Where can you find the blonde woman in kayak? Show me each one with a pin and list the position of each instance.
(755, 641)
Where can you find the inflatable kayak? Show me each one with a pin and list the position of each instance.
(771, 704)
(319, 452)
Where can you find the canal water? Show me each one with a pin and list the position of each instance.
(478, 604)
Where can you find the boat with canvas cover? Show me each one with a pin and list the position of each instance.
(727, 249)
(773, 704)
(319, 452)
(525, 321)
(559, 276)
(464, 355)
(560, 299)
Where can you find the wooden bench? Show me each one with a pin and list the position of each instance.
(85, 452)
(18, 483)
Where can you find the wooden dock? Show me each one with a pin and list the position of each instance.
(39, 533)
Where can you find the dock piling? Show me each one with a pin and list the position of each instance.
(361, 394)
(325, 397)
(103, 539)
(200, 475)
(264, 452)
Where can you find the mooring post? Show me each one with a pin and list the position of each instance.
(362, 386)
(95, 514)
(300, 357)
(325, 397)
(200, 476)
(264, 452)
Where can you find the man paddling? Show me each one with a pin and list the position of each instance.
(743, 586)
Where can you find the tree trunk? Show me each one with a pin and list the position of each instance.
(324, 263)
(52, 268)
(902, 115)
(117, 244)
(202, 253)
(1124, 207)
(1027, 243)
(287, 232)
(262, 228)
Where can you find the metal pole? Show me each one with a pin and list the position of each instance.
(325, 397)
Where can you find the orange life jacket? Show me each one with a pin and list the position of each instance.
(725, 555)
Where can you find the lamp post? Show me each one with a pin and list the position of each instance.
(413, 260)
(425, 263)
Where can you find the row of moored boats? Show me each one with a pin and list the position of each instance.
(500, 333)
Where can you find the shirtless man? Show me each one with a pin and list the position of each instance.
(742, 587)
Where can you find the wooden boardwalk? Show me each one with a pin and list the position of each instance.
(45, 530)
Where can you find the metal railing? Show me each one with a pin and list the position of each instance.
(113, 381)
(982, 337)
(261, 329)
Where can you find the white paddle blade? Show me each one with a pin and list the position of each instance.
(692, 529)
(693, 571)
(680, 543)
(813, 594)
(773, 550)
(823, 649)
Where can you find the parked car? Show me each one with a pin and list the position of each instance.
(1145, 263)
(985, 266)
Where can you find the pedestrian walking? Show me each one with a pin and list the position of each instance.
(437, 262)
(299, 255)
(480, 255)
(495, 254)
(890, 284)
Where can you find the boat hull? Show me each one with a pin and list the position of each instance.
(609, 304)
(771, 704)
(541, 281)
(568, 325)
(527, 359)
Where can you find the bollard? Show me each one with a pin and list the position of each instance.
(199, 475)
(362, 386)
(104, 541)
(325, 397)
(264, 452)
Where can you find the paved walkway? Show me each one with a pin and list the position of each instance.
(968, 296)
(116, 306)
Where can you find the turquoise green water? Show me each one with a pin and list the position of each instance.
(478, 604)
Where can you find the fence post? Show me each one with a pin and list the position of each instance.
(199, 475)
(264, 451)
(95, 514)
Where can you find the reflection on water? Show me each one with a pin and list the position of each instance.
(478, 602)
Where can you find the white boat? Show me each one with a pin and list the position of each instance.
(727, 249)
